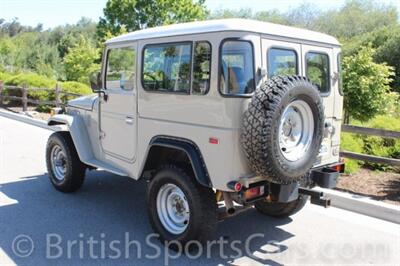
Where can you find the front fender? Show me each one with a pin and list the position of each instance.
(76, 126)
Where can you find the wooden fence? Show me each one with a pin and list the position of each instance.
(374, 132)
(58, 93)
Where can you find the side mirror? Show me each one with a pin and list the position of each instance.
(95, 82)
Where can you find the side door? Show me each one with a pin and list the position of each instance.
(281, 58)
(118, 113)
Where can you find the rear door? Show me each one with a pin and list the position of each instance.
(318, 68)
(118, 115)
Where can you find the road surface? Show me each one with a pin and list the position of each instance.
(106, 222)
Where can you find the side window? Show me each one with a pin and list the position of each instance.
(281, 62)
(201, 68)
(339, 66)
(121, 66)
(237, 68)
(166, 67)
(317, 70)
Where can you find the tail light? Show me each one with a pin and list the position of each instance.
(254, 192)
(338, 167)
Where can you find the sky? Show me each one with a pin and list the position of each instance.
(52, 13)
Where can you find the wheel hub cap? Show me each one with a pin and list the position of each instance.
(58, 162)
(296, 130)
(173, 209)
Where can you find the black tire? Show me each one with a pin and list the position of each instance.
(202, 207)
(260, 131)
(281, 209)
(74, 168)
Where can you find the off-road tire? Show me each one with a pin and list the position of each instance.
(260, 130)
(281, 209)
(202, 205)
(75, 169)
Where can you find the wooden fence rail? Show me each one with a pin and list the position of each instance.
(58, 93)
(374, 132)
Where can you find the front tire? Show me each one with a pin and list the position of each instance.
(66, 171)
(179, 208)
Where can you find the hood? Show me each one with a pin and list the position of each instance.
(84, 102)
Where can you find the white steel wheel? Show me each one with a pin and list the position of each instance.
(296, 130)
(58, 162)
(173, 209)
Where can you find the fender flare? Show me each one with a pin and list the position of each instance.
(192, 151)
(76, 127)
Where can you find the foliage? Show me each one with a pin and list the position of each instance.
(354, 143)
(139, 14)
(365, 85)
(4, 76)
(74, 87)
(35, 81)
(384, 147)
(80, 61)
(386, 41)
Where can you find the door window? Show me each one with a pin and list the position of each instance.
(317, 70)
(121, 66)
(282, 62)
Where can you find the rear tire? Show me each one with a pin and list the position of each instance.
(194, 214)
(66, 171)
(281, 209)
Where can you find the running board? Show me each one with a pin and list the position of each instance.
(317, 197)
(105, 166)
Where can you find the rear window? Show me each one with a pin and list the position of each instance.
(281, 62)
(167, 67)
(317, 70)
(236, 68)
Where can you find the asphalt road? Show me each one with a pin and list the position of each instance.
(106, 222)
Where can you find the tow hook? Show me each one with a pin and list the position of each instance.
(317, 197)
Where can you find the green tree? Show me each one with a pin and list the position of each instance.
(356, 17)
(79, 63)
(365, 85)
(139, 14)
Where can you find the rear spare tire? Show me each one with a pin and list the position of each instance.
(283, 128)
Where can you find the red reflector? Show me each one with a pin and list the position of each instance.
(213, 140)
(238, 187)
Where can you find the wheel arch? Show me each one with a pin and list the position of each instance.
(161, 150)
(77, 129)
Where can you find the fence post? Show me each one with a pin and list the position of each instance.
(1, 93)
(24, 98)
(58, 95)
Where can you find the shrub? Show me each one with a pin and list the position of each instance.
(365, 85)
(33, 80)
(384, 147)
(354, 143)
(4, 76)
(74, 87)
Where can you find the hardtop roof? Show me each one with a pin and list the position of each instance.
(226, 25)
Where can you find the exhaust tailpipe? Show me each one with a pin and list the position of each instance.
(230, 209)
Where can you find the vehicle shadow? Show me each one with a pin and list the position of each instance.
(106, 222)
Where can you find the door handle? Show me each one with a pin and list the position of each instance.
(129, 120)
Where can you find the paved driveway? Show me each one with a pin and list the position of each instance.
(106, 222)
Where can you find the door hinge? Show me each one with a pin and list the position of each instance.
(102, 135)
